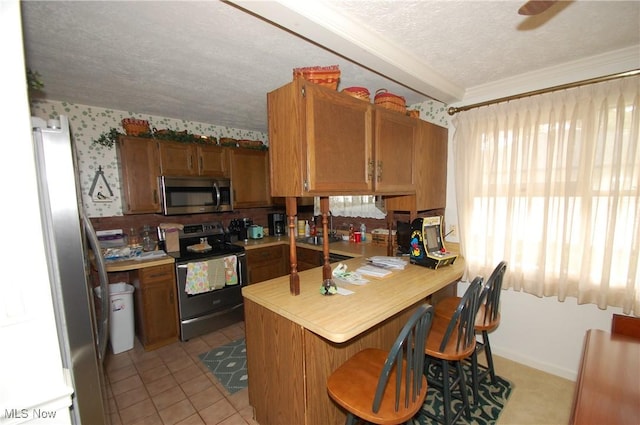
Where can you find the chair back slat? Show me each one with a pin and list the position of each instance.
(491, 293)
(406, 357)
(462, 322)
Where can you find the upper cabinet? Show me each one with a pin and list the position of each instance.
(250, 178)
(188, 159)
(322, 142)
(430, 172)
(139, 167)
(141, 161)
(395, 138)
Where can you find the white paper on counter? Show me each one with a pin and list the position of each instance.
(343, 291)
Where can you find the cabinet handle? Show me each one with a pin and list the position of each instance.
(379, 171)
(155, 195)
(190, 162)
(200, 163)
(370, 170)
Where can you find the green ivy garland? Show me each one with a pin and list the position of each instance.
(108, 139)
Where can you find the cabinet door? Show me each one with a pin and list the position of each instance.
(139, 168)
(177, 159)
(266, 263)
(339, 155)
(394, 140)
(308, 258)
(430, 164)
(212, 161)
(157, 287)
(433, 174)
(250, 178)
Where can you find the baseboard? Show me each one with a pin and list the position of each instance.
(533, 363)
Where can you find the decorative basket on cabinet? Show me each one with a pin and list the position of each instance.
(358, 92)
(135, 127)
(326, 76)
(390, 101)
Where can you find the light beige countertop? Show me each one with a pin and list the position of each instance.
(338, 318)
(128, 265)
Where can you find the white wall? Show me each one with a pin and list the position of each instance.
(542, 333)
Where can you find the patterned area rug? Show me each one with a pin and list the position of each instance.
(493, 398)
(229, 364)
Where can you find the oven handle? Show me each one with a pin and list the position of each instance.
(240, 269)
(217, 189)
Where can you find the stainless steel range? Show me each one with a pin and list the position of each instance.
(210, 274)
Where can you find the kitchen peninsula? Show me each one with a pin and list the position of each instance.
(295, 342)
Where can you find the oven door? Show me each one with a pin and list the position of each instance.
(194, 195)
(209, 311)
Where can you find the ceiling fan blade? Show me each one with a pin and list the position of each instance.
(535, 7)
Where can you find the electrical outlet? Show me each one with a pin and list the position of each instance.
(453, 230)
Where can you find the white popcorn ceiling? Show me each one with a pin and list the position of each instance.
(213, 62)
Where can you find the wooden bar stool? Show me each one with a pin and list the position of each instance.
(453, 340)
(385, 387)
(487, 319)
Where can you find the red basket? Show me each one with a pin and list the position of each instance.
(135, 127)
(326, 76)
(390, 101)
(358, 92)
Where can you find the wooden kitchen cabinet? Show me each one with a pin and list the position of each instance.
(212, 160)
(394, 141)
(250, 178)
(267, 263)
(139, 168)
(322, 143)
(156, 307)
(430, 172)
(308, 258)
(190, 159)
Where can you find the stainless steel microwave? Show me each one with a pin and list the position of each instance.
(195, 195)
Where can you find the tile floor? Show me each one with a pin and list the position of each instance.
(170, 385)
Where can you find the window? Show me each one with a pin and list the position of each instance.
(551, 184)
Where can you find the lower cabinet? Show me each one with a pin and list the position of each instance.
(267, 263)
(308, 258)
(156, 306)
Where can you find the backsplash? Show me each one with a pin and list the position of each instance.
(98, 164)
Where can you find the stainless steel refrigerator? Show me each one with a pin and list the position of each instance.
(69, 235)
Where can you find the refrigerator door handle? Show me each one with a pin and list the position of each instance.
(103, 325)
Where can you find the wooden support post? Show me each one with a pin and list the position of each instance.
(324, 209)
(292, 210)
(390, 216)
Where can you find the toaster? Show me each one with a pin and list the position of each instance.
(255, 232)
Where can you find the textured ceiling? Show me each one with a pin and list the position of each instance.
(214, 62)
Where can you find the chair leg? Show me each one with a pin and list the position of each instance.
(446, 390)
(463, 390)
(487, 352)
(475, 378)
(351, 419)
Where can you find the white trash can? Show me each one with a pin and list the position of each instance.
(121, 330)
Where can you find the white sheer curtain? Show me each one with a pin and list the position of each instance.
(551, 184)
(353, 206)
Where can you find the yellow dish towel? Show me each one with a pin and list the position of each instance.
(197, 281)
(230, 270)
